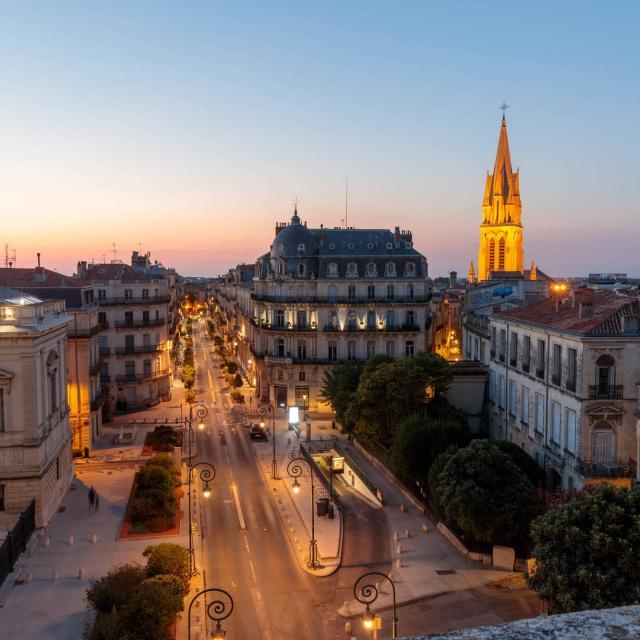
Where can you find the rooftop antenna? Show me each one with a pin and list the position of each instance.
(115, 253)
(346, 204)
(104, 258)
(503, 107)
(139, 248)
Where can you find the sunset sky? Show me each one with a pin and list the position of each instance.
(190, 127)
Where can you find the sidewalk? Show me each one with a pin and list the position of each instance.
(425, 563)
(295, 509)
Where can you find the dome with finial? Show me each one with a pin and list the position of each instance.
(294, 240)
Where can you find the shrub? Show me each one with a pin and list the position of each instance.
(433, 479)
(237, 397)
(115, 588)
(232, 367)
(106, 626)
(236, 383)
(586, 551)
(522, 460)
(187, 375)
(168, 559)
(163, 436)
(150, 611)
(190, 396)
(486, 496)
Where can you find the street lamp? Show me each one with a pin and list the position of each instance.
(218, 610)
(295, 471)
(207, 474)
(267, 410)
(367, 593)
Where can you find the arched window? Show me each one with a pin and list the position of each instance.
(492, 254)
(301, 247)
(352, 270)
(390, 269)
(501, 255)
(603, 444)
(332, 270)
(372, 270)
(280, 267)
(410, 269)
(605, 376)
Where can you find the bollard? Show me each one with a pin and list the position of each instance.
(347, 628)
(407, 533)
(80, 573)
(399, 549)
(396, 536)
(94, 539)
(402, 507)
(425, 528)
(28, 578)
(54, 575)
(70, 541)
(46, 541)
(398, 564)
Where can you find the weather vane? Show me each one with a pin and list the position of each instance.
(295, 204)
(503, 107)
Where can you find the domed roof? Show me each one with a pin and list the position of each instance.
(288, 241)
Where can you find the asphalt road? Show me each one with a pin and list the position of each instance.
(274, 599)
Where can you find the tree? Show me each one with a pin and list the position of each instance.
(236, 383)
(586, 551)
(374, 362)
(419, 443)
(168, 559)
(232, 367)
(187, 375)
(437, 371)
(433, 479)
(339, 386)
(522, 460)
(486, 496)
(115, 588)
(386, 396)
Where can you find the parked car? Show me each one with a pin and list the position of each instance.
(256, 433)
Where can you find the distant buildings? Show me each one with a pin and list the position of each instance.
(324, 296)
(35, 438)
(563, 385)
(134, 315)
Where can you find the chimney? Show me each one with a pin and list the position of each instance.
(38, 254)
(585, 310)
(453, 279)
(82, 268)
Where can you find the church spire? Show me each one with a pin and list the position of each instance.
(503, 157)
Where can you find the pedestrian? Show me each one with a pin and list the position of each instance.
(92, 498)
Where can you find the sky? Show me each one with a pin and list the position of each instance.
(187, 129)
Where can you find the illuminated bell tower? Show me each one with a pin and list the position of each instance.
(501, 231)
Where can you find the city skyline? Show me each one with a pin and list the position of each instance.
(244, 109)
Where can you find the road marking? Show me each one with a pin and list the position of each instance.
(253, 572)
(261, 610)
(236, 498)
(246, 544)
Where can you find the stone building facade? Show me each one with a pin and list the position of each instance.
(133, 318)
(35, 437)
(563, 375)
(324, 296)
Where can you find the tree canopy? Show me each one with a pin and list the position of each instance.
(586, 551)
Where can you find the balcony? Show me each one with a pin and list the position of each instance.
(139, 324)
(99, 400)
(609, 392)
(281, 327)
(105, 351)
(139, 377)
(341, 300)
(147, 348)
(613, 469)
(138, 300)
(277, 359)
(555, 379)
(105, 378)
(372, 329)
(79, 334)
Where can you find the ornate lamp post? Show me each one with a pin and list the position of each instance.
(267, 410)
(207, 474)
(295, 471)
(218, 610)
(366, 593)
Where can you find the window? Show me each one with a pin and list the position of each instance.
(302, 350)
(410, 318)
(280, 375)
(492, 254)
(130, 369)
(2, 423)
(351, 350)
(571, 368)
(570, 420)
(128, 294)
(524, 406)
(301, 319)
(145, 294)
(557, 364)
(300, 269)
(513, 398)
(332, 351)
(503, 344)
(540, 360)
(332, 270)
(280, 347)
(603, 444)
(539, 413)
(372, 270)
(352, 320)
(513, 349)
(102, 294)
(555, 423)
(53, 389)
(371, 319)
(371, 292)
(501, 247)
(390, 269)
(301, 247)
(391, 292)
(301, 376)
(351, 292)
(390, 349)
(333, 320)
(371, 348)
(409, 348)
(410, 269)
(102, 318)
(605, 376)
(279, 317)
(352, 270)
(391, 318)
(280, 267)
(410, 292)
(333, 292)
(501, 391)
(526, 353)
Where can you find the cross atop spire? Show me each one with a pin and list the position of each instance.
(503, 107)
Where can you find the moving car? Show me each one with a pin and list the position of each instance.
(256, 433)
